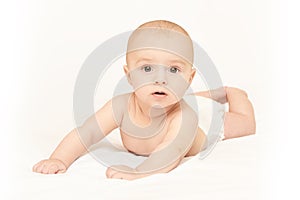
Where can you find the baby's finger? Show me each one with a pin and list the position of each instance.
(35, 167)
(118, 176)
(61, 170)
(39, 168)
(53, 169)
(46, 168)
(124, 176)
(110, 172)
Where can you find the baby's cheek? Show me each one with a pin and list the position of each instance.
(177, 85)
(139, 80)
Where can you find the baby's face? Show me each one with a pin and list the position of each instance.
(158, 77)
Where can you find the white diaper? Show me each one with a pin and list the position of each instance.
(211, 119)
(204, 109)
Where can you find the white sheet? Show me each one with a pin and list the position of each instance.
(228, 172)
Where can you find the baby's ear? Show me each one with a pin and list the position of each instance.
(126, 70)
(193, 72)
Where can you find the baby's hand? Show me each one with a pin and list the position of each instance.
(50, 166)
(123, 172)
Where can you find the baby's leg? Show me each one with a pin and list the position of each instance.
(239, 120)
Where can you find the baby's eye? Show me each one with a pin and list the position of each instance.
(147, 68)
(174, 70)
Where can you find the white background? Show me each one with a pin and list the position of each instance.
(44, 43)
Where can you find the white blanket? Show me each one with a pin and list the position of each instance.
(228, 172)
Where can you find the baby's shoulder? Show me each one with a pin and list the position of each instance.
(119, 106)
(121, 99)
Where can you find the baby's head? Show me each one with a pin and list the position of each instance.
(159, 62)
(161, 35)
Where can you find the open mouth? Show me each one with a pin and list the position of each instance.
(159, 94)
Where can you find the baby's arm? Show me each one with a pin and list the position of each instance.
(239, 120)
(69, 149)
(78, 140)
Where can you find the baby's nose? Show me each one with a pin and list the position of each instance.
(161, 76)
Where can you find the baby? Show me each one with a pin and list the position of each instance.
(154, 120)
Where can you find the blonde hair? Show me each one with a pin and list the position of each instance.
(164, 24)
(149, 28)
